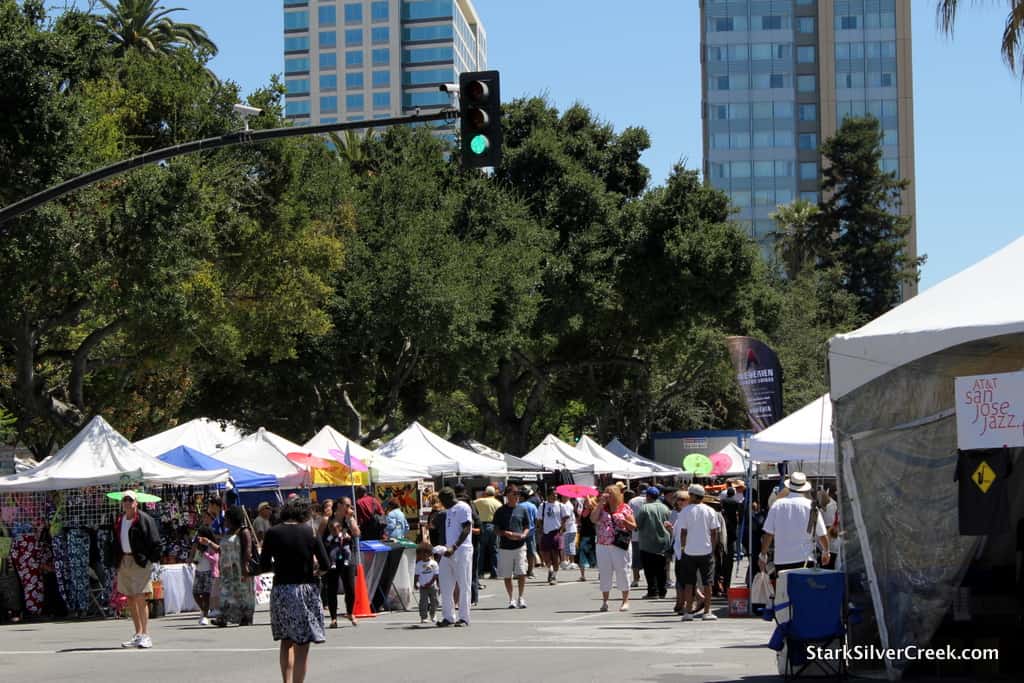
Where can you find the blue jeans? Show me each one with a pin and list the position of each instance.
(488, 563)
(587, 553)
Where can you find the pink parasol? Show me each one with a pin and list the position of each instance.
(720, 463)
(575, 490)
(309, 460)
(354, 463)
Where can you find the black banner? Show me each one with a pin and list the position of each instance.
(760, 378)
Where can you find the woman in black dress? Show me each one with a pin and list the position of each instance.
(296, 556)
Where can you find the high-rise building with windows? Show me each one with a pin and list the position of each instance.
(353, 60)
(778, 78)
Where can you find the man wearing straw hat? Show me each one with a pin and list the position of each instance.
(793, 524)
(137, 547)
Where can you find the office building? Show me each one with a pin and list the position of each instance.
(355, 60)
(778, 76)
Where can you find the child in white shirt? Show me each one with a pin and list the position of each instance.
(427, 580)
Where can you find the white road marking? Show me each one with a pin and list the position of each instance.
(346, 648)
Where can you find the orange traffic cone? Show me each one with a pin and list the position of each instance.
(362, 604)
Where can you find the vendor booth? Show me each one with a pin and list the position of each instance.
(518, 468)
(661, 470)
(266, 453)
(621, 468)
(202, 434)
(907, 498)
(420, 448)
(554, 455)
(803, 439)
(183, 456)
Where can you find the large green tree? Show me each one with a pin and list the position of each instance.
(146, 26)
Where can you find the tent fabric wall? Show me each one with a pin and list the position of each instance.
(189, 458)
(554, 454)
(419, 448)
(201, 434)
(265, 453)
(622, 468)
(661, 470)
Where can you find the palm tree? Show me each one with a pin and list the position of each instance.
(144, 25)
(352, 148)
(1013, 33)
(795, 239)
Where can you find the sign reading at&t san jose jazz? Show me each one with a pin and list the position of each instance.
(990, 411)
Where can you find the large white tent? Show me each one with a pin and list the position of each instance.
(554, 454)
(622, 469)
(805, 435)
(265, 452)
(99, 455)
(418, 447)
(330, 439)
(202, 434)
(623, 451)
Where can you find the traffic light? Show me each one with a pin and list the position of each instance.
(480, 116)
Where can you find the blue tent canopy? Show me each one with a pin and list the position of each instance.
(183, 456)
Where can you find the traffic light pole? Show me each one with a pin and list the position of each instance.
(229, 140)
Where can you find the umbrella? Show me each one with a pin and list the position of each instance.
(309, 460)
(140, 496)
(575, 490)
(697, 463)
(720, 463)
(352, 462)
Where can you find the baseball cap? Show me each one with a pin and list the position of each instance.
(262, 505)
(490, 491)
(129, 495)
(696, 490)
(653, 491)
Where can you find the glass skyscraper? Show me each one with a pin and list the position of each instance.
(778, 78)
(361, 59)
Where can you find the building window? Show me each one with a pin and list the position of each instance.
(808, 170)
(296, 44)
(811, 197)
(328, 60)
(382, 100)
(764, 169)
(739, 140)
(783, 139)
(329, 82)
(891, 166)
(296, 21)
(381, 56)
(354, 103)
(783, 111)
(847, 23)
(381, 79)
(296, 65)
(808, 112)
(329, 104)
(353, 13)
(783, 169)
(805, 24)
(327, 15)
(353, 37)
(428, 77)
(293, 3)
(890, 136)
(329, 119)
(379, 11)
(427, 9)
(422, 33)
(296, 108)
(762, 139)
(354, 58)
(783, 196)
(426, 98)
(297, 86)
(806, 83)
(328, 39)
(354, 80)
(805, 54)
(381, 34)
(429, 54)
(771, 23)
(777, 81)
(741, 199)
(739, 169)
(355, 118)
(808, 141)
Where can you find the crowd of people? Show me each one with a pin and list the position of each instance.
(683, 539)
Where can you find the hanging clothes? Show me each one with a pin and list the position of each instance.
(26, 554)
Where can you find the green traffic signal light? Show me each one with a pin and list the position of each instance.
(479, 144)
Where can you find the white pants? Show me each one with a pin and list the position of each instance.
(613, 561)
(456, 570)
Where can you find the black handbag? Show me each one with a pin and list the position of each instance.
(622, 538)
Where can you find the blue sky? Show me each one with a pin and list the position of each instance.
(634, 67)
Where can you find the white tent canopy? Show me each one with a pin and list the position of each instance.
(554, 454)
(965, 307)
(265, 453)
(805, 435)
(202, 434)
(419, 448)
(99, 455)
(329, 439)
(626, 469)
(660, 470)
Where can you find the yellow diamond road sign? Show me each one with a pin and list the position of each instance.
(984, 477)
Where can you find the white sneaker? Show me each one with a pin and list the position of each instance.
(687, 617)
(145, 642)
(134, 642)
(522, 603)
(203, 621)
(708, 616)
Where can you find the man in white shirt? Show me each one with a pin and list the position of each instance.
(787, 526)
(262, 522)
(457, 563)
(568, 533)
(553, 515)
(698, 536)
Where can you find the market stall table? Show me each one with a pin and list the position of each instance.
(177, 580)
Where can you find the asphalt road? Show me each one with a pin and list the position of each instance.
(561, 636)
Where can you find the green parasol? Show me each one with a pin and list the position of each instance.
(140, 496)
(698, 463)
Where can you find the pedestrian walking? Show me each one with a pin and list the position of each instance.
(237, 595)
(655, 542)
(790, 527)
(292, 551)
(531, 538)
(206, 556)
(569, 533)
(348, 554)
(457, 562)
(587, 556)
(137, 548)
(698, 536)
(512, 526)
(426, 580)
(553, 515)
(485, 507)
(615, 523)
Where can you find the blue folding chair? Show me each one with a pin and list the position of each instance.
(815, 601)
